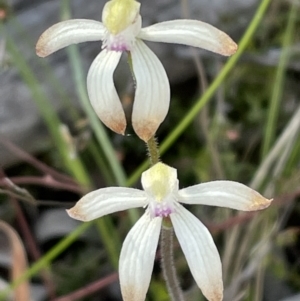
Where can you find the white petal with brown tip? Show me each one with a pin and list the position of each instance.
(192, 33)
(224, 194)
(107, 200)
(69, 32)
(137, 258)
(152, 95)
(102, 91)
(200, 252)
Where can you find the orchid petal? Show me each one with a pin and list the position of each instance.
(224, 194)
(192, 33)
(200, 251)
(69, 32)
(152, 95)
(105, 201)
(137, 258)
(102, 91)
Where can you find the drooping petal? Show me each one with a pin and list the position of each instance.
(152, 95)
(200, 251)
(105, 201)
(69, 32)
(190, 32)
(137, 258)
(102, 91)
(224, 194)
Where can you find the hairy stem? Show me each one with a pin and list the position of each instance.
(153, 151)
(167, 264)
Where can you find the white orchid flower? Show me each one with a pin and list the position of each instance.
(162, 198)
(121, 31)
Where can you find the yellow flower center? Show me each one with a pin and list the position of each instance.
(119, 14)
(160, 175)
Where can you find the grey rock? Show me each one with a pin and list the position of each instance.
(53, 224)
(292, 298)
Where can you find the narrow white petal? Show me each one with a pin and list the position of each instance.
(224, 194)
(107, 200)
(69, 32)
(137, 258)
(152, 95)
(190, 32)
(102, 91)
(201, 253)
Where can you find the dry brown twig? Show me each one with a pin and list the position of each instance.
(44, 168)
(51, 178)
(89, 289)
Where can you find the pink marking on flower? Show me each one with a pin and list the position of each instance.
(117, 43)
(163, 209)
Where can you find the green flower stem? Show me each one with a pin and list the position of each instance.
(279, 81)
(153, 151)
(167, 264)
(189, 117)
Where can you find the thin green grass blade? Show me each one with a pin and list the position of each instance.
(277, 93)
